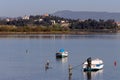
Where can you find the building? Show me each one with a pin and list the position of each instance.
(53, 21)
(25, 17)
(118, 23)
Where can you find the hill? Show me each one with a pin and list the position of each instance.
(86, 15)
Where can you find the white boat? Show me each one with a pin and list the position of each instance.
(61, 53)
(93, 65)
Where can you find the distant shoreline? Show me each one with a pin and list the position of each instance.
(71, 32)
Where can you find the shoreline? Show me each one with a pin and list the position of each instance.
(71, 32)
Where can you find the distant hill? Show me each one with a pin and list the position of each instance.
(86, 15)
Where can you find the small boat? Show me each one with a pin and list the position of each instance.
(93, 65)
(62, 53)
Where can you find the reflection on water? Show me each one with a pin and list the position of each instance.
(92, 75)
(36, 36)
(63, 36)
(22, 56)
(63, 60)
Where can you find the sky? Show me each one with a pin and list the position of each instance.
(16, 8)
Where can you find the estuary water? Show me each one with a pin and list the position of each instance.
(23, 57)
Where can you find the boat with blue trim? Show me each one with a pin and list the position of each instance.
(93, 65)
(62, 53)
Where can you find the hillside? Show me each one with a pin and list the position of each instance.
(86, 15)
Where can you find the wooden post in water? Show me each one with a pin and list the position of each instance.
(47, 65)
(115, 63)
(26, 51)
(70, 72)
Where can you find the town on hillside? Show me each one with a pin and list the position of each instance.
(49, 23)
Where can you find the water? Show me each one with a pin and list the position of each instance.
(23, 57)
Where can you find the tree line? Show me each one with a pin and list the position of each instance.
(95, 25)
(40, 23)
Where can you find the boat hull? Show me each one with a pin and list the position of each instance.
(90, 69)
(95, 65)
(61, 55)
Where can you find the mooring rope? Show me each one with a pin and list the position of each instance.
(74, 67)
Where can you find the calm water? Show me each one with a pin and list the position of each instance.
(24, 57)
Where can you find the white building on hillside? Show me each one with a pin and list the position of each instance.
(25, 17)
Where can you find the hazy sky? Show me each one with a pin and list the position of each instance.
(13, 8)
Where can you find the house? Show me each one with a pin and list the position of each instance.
(25, 17)
(46, 15)
(7, 19)
(10, 19)
(62, 21)
(53, 21)
(40, 20)
(118, 23)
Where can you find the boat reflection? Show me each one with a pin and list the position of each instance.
(63, 60)
(93, 75)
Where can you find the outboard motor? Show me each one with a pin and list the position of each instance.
(89, 62)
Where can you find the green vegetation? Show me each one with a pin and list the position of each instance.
(95, 26)
(56, 24)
